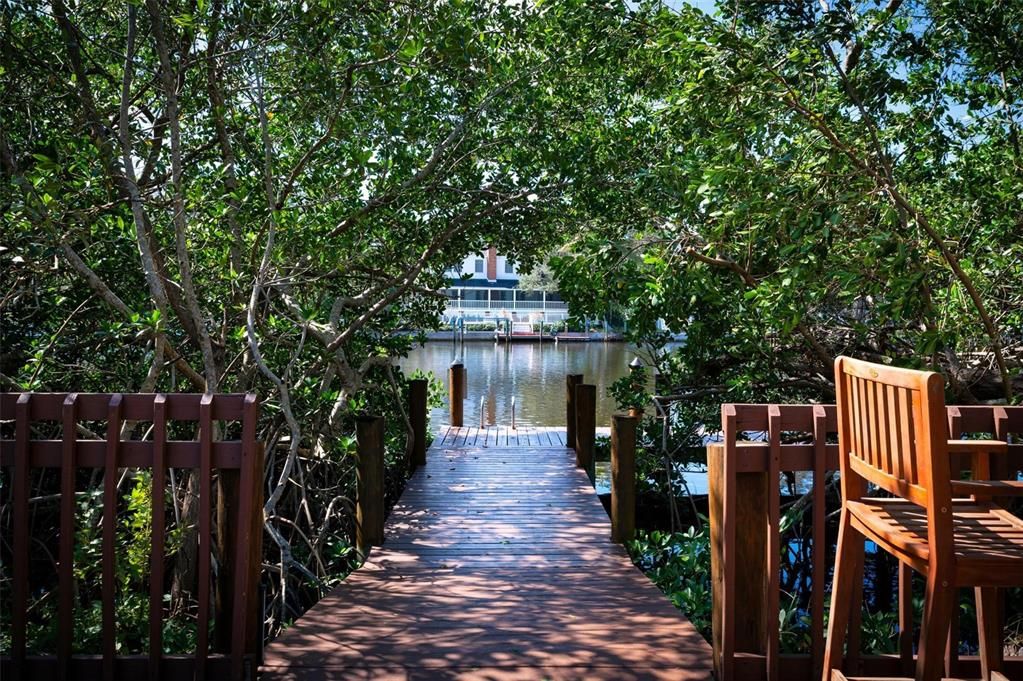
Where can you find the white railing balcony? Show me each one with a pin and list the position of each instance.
(495, 301)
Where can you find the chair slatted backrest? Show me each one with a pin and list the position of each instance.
(892, 432)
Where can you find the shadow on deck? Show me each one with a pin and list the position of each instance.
(497, 565)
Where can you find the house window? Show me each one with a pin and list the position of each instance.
(509, 267)
(479, 265)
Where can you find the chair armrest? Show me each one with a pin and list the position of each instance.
(977, 447)
(987, 488)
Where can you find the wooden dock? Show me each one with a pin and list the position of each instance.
(504, 436)
(497, 565)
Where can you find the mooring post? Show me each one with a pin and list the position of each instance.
(623, 478)
(370, 493)
(417, 402)
(456, 392)
(585, 425)
(571, 381)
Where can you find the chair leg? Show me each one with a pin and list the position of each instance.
(848, 568)
(939, 600)
(989, 630)
(906, 618)
(952, 642)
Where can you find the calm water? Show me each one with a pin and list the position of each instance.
(532, 373)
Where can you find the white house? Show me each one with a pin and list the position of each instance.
(486, 287)
(487, 266)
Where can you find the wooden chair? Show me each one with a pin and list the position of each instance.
(892, 433)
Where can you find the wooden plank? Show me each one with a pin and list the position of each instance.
(21, 555)
(109, 529)
(818, 546)
(159, 535)
(496, 559)
(131, 454)
(65, 571)
(773, 543)
(136, 407)
(205, 534)
(246, 626)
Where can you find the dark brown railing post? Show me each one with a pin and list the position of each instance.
(156, 556)
(19, 591)
(417, 400)
(228, 500)
(109, 530)
(585, 424)
(456, 392)
(240, 530)
(370, 500)
(739, 570)
(249, 605)
(623, 478)
(818, 546)
(65, 566)
(571, 381)
(205, 532)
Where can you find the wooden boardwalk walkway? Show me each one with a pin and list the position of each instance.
(497, 566)
(504, 436)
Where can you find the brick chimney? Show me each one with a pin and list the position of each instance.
(491, 264)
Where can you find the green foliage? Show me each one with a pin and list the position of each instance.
(539, 278)
(300, 177)
(132, 570)
(630, 391)
(679, 564)
(781, 183)
(481, 326)
(796, 203)
(136, 533)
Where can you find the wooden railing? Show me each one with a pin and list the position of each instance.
(48, 434)
(746, 537)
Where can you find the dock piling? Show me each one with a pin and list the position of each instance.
(370, 471)
(623, 478)
(571, 381)
(456, 392)
(585, 425)
(418, 391)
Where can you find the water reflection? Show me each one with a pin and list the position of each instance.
(533, 373)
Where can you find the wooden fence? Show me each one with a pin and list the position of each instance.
(238, 462)
(746, 550)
